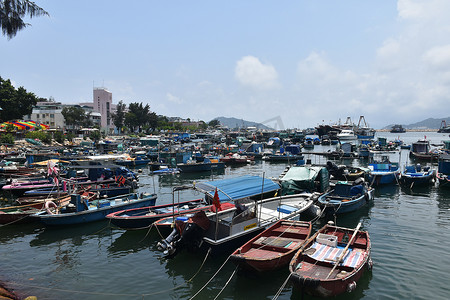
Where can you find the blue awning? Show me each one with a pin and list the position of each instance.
(238, 187)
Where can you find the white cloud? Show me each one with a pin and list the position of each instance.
(174, 99)
(250, 71)
(438, 57)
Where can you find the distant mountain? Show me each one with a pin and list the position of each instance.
(429, 123)
(240, 123)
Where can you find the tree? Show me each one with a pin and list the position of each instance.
(12, 13)
(140, 116)
(119, 117)
(14, 103)
(213, 123)
(76, 117)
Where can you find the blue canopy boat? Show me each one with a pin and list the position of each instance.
(383, 173)
(228, 229)
(346, 197)
(416, 175)
(82, 210)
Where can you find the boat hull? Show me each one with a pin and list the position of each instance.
(274, 247)
(96, 214)
(313, 269)
(144, 217)
(342, 206)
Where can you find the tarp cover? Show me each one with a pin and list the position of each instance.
(238, 187)
(301, 178)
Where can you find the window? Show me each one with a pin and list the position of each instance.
(52, 116)
(37, 116)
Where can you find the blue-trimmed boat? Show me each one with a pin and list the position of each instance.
(82, 210)
(417, 175)
(444, 171)
(346, 197)
(383, 173)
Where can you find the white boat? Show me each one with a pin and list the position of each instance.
(347, 135)
(227, 230)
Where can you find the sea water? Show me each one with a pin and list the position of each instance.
(409, 230)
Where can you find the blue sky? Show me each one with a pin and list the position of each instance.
(308, 62)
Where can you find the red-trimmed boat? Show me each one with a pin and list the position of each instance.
(274, 247)
(144, 217)
(332, 261)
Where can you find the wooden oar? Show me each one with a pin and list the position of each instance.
(345, 249)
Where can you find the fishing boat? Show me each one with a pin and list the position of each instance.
(144, 217)
(383, 173)
(208, 164)
(421, 150)
(83, 210)
(397, 129)
(444, 127)
(332, 261)
(224, 231)
(343, 172)
(346, 197)
(17, 214)
(444, 171)
(417, 175)
(236, 159)
(274, 247)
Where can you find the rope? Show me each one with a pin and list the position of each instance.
(228, 281)
(282, 287)
(198, 292)
(112, 294)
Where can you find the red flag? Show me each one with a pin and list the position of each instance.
(216, 201)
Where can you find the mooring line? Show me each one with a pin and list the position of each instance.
(281, 288)
(217, 272)
(228, 281)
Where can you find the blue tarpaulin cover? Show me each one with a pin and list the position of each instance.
(238, 187)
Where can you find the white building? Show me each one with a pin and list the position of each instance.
(48, 113)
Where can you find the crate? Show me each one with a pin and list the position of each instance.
(327, 239)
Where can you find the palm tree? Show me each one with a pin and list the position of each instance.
(12, 13)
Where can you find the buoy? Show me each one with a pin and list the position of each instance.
(351, 286)
(48, 205)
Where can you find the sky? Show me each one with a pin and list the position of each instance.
(302, 62)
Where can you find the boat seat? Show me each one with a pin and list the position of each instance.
(276, 242)
(330, 254)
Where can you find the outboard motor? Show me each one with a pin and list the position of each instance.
(186, 234)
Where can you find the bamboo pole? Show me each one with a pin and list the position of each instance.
(345, 249)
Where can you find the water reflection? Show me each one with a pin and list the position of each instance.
(75, 235)
(11, 232)
(132, 241)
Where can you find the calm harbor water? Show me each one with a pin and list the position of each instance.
(409, 230)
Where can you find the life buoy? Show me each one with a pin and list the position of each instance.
(48, 205)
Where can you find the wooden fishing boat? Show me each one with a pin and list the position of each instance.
(417, 175)
(17, 214)
(332, 261)
(274, 247)
(144, 217)
(346, 197)
(82, 210)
